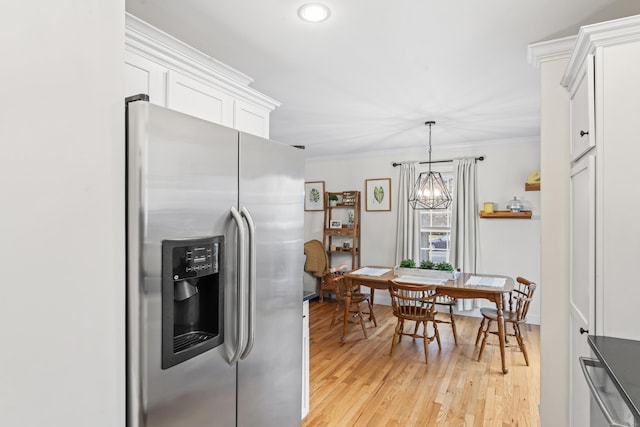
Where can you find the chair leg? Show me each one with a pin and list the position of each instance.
(484, 340)
(436, 333)
(396, 332)
(523, 348)
(426, 341)
(453, 325)
(371, 315)
(361, 317)
(335, 315)
(480, 331)
(415, 330)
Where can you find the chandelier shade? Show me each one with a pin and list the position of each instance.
(430, 191)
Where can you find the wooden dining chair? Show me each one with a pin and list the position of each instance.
(326, 282)
(414, 303)
(514, 313)
(449, 303)
(353, 309)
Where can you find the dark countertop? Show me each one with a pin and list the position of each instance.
(621, 359)
(307, 295)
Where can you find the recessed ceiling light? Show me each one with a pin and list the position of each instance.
(314, 12)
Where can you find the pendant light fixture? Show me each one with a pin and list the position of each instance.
(430, 191)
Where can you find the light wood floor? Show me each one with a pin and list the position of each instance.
(359, 384)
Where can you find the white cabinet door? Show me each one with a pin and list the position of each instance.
(582, 117)
(581, 281)
(618, 234)
(251, 119)
(197, 99)
(305, 358)
(144, 76)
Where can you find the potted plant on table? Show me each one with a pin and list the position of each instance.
(439, 270)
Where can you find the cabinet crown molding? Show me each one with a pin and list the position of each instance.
(590, 37)
(550, 50)
(160, 47)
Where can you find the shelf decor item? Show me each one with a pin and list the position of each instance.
(514, 205)
(378, 194)
(314, 196)
(335, 223)
(348, 198)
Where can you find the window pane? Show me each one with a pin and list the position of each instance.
(439, 256)
(425, 219)
(435, 231)
(439, 241)
(440, 219)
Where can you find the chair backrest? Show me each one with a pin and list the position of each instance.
(340, 286)
(521, 297)
(410, 301)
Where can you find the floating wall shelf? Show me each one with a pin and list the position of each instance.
(506, 214)
(532, 187)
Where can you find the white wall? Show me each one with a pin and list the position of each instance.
(554, 333)
(508, 246)
(62, 230)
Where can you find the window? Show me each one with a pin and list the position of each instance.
(435, 229)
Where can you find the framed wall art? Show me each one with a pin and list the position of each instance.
(314, 196)
(378, 194)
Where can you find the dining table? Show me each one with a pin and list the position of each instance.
(459, 287)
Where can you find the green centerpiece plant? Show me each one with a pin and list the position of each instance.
(408, 263)
(426, 268)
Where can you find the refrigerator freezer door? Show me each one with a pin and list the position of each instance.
(182, 181)
(271, 190)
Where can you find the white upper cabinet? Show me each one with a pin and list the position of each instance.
(582, 109)
(248, 118)
(176, 76)
(144, 76)
(199, 100)
(607, 58)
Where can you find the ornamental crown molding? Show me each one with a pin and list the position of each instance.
(148, 41)
(590, 37)
(550, 50)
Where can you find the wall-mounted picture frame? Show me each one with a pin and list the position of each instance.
(314, 196)
(335, 223)
(378, 194)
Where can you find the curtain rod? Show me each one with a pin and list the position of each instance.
(481, 158)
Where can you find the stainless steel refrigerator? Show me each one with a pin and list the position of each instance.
(214, 270)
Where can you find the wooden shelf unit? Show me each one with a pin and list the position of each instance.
(506, 214)
(337, 236)
(532, 187)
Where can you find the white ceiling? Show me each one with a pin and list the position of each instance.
(367, 79)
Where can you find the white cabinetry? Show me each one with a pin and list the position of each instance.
(144, 76)
(602, 78)
(581, 281)
(184, 79)
(198, 99)
(305, 358)
(582, 108)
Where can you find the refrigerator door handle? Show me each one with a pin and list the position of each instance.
(252, 282)
(584, 361)
(241, 306)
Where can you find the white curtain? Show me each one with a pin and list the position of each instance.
(464, 222)
(407, 234)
